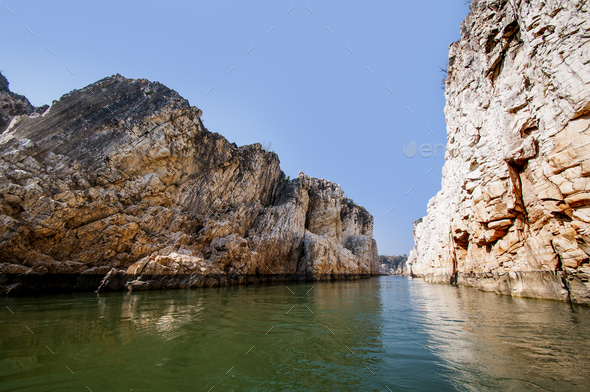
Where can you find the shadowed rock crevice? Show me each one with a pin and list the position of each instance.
(121, 180)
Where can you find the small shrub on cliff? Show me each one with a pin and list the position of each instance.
(445, 73)
(351, 203)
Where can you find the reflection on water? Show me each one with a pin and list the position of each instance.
(367, 335)
(492, 342)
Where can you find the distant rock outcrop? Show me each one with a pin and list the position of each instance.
(513, 215)
(394, 265)
(120, 185)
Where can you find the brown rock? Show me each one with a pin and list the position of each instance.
(579, 199)
(115, 182)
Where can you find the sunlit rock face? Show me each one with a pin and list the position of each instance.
(120, 185)
(513, 214)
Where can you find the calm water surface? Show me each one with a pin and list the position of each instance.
(384, 333)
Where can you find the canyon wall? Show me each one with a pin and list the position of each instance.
(513, 214)
(120, 186)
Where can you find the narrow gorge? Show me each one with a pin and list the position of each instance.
(120, 186)
(513, 215)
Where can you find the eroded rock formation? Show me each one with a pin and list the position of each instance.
(513, 214)
(120, 185)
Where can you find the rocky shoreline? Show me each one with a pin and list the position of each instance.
(529, 284)
(120, 186)
(42, 284)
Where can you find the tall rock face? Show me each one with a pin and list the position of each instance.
(119, 185)
(513, 214)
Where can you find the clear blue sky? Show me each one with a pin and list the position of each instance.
(300, 88)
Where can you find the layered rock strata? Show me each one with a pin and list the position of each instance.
(119, 185)
(513, 215)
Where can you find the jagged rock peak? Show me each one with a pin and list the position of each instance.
(4, 84)
(119, 185)
(12, 104)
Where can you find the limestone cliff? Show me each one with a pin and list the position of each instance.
(513, 214)
(119, 185)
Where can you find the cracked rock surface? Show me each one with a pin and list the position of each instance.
(119, 185)
(513, 215)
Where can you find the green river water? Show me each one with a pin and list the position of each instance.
(380, 334)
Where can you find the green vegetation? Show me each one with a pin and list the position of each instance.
(445, 76)
(351, 203)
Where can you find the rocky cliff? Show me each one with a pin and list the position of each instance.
(513, 214)
(393, 265)
(119, 185)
